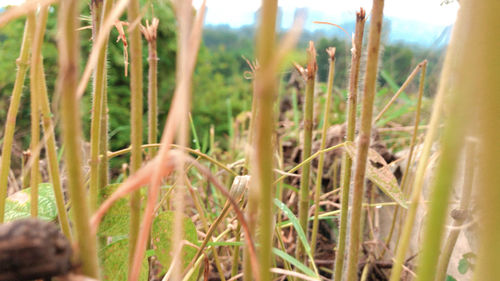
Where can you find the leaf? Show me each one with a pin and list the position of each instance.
(115, 262)
(116, 220)
(295, 222)
(463, 266)
(295, 262)
(17, 206)
(450, 278)
(380, 176)
(162, 234)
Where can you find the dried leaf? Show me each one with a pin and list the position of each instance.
(379, 173)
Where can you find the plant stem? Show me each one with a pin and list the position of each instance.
(319, 176)
(103, 145)
(262, 168)
(99, 13)
(484, 63)
(472, 72)
(48, 125)
(35, 116)
(150, 33)
(363, 143)
(410, 154)
(306, 150)
(136, 119)
(444, 88)
(462, 211)
(401, 89)
(51, 149)
(71, 129)
(10, 124)
(351, 126)
(451, 144)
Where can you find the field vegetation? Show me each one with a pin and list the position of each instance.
(167, 150)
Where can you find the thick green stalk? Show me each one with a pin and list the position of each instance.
(444, 88)
(10, 123)
(50, 145)
(262, 168)
(472, 73)
(484, 62)
(350, 132)
(319, 176)
(71, 128)
(136, 119)
(35, 88)
(461, 213)
(306, 150)
(364, 138)
(451, 145)
(99, 14)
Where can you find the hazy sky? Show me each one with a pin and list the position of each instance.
(240, 12)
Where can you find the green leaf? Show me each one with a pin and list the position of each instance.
(17, 206)
(296, 224)
(463, 266)
(115, 262)
(381, 177)
(390, 81)
(162, 234)
(450, 278)
(295, 262)
(116, 220)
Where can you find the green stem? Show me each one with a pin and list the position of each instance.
(451, 144)
(423, 161)
(136, 119)
(71, 129)
(35, 114)
(462, 211)
(306, 150)
(10, 124)
(319, 176)
(51, 148)
(99, 13)
(364, 138)
(152, 91)
(351, 126)
(262, 170)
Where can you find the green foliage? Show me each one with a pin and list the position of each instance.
(161, 235)
(450, 278)
(116, 221)
(17, 206)
(114, 262)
